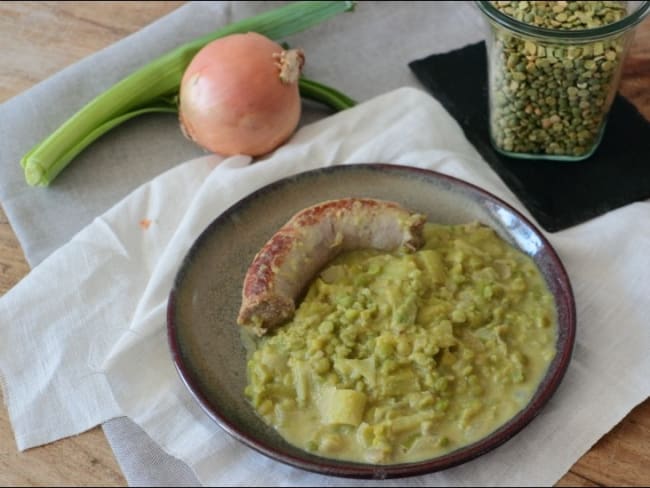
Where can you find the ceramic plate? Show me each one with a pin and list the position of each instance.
(205, 340)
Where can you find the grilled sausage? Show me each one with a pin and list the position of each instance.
(290, 259)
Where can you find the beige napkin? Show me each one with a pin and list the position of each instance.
(84, 333)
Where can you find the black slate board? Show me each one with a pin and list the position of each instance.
(557, 194)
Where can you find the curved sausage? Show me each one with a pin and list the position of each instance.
(289, 260)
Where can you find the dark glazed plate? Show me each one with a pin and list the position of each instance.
(205, 340)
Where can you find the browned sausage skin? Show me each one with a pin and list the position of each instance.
(291, 258)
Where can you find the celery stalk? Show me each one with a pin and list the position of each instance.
(324, 94)
(142, 91)
(49, 173)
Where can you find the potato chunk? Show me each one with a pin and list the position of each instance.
(342, 406)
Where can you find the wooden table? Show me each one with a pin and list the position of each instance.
(40, 38)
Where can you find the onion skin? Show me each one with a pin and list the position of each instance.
(232, 99)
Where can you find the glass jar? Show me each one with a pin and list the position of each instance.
(550, 90)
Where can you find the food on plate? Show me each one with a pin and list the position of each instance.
(284, 266)
(404, 355)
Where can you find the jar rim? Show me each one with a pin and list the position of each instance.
(595, 33)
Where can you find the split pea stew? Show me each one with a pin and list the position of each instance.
(397, 357)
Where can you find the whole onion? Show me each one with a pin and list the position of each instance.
(239, 95)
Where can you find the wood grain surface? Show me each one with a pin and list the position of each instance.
(40, 38)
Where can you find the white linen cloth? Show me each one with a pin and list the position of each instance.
(83, 335)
